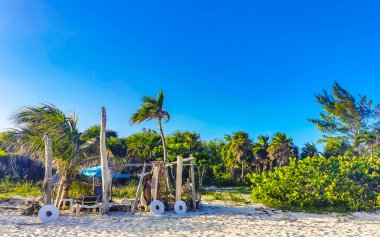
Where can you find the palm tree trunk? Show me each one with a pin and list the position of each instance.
(242, 171)
(163, 141)
(63, 188)
(165, 153)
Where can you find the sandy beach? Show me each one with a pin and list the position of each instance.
(215, 219)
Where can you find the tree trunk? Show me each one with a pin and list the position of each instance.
(106, 173)
(48, 168)
(165, 153)
(242, 171)
(63, 188)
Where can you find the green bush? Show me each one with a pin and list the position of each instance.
(321, 184)
(9, 189)
(126, 191)
(78, 189)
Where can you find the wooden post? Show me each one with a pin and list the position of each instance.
(139, 189)
(106, 176)
(156, 172)
(48, 168)
(178, 187)
(193, 185)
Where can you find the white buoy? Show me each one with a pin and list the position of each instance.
(157, 207)
(48, 213)
(180, 207)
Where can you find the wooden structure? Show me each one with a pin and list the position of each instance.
(159, 188)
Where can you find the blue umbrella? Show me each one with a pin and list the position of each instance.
(96, 172)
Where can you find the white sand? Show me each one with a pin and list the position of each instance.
(215, 219)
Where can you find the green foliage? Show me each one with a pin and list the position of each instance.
(2, 153)
(94, 132)
(281, 149)
(309, 150)
(144, 146)
(224, 196)
(337, 146)
(126, 191)
(348, 119)
(344, 114)
(152, 108)
(237, 151)
(10, 189)
(183, 144)
(114, 144)
(79, 189)
(321, 184)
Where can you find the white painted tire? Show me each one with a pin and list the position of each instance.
(157, 207)
(48, 213)
(180, 207)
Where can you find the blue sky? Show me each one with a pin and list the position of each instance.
(223, 65)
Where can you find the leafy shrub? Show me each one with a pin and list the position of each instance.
(320, 184)
(9, 189)
(127, 191)
(79, 189)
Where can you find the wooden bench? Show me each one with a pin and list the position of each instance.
(86, 202)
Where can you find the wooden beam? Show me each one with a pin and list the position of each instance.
(178, 189)
(150, 164)
(139, 189)
(137, 165)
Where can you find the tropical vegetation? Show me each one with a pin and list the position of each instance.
(343, 176)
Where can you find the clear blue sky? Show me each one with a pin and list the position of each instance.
(223, 65)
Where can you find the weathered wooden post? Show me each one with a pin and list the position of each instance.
(106, 173)
(155, 181)
(193, 185)
(139, 189)
(48, 168)
(178, 187)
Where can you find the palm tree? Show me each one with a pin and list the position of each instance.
(281, 149)
(260, 151)
(309, 150)
(241, 149)
(227, 156)
(152, 108)
(369, 140)
(69, 151)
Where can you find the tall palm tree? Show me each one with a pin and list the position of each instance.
(241, 149)
(309, 150)
(152, 108)
(281, 149)
(69, 151)
(260, 151)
